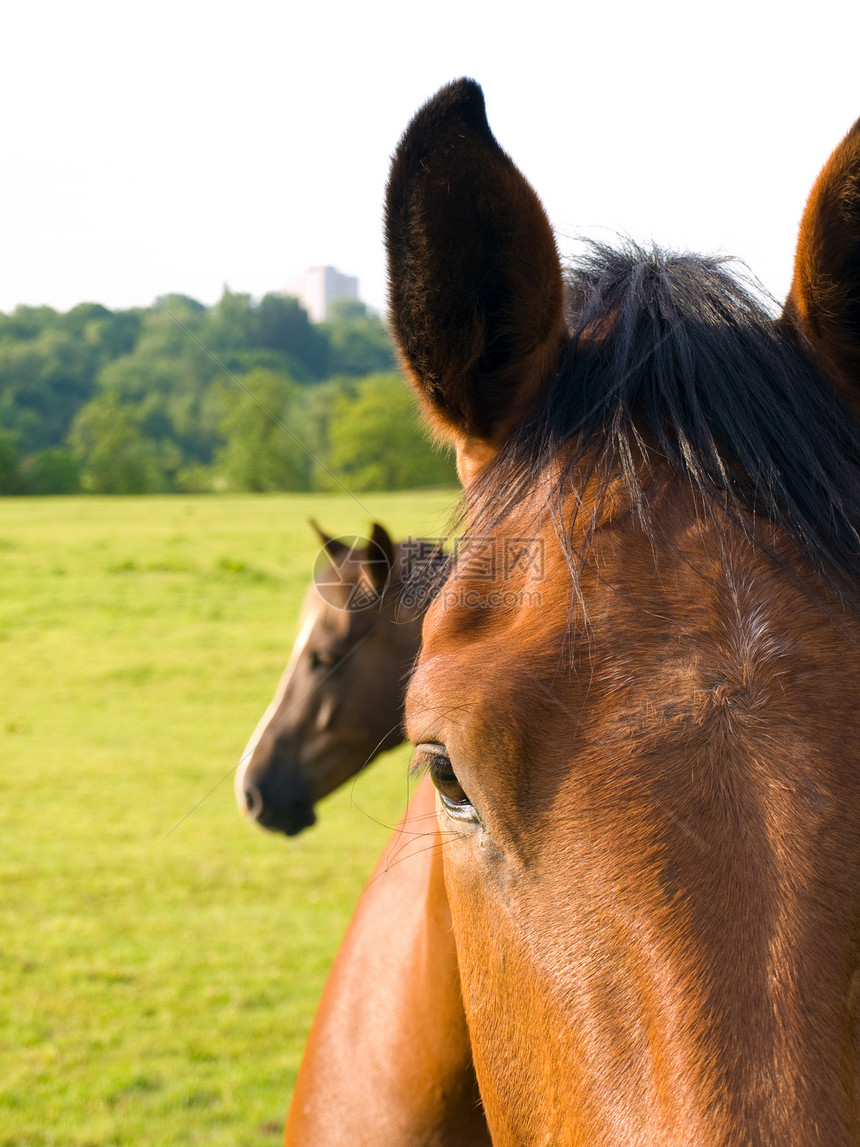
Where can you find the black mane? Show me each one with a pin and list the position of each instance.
(671, 352)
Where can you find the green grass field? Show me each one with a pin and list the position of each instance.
(160, 959)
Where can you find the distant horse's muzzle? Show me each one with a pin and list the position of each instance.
(278, 804)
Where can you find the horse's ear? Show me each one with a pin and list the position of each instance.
(380, 537)
(824, 300)
(476, 289)
(334, 548)
(322, 536)
(380, 546)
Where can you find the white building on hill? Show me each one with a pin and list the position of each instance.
(319, 287)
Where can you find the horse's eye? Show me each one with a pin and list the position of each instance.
(322, 659)
(438, 764)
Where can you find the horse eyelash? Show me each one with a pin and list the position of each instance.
(419, 767)
(422, 762)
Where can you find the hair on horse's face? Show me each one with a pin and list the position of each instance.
(646, 744)
(635, 915)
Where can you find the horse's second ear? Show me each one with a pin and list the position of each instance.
(824, 300)
(477, 297)
(381, 547)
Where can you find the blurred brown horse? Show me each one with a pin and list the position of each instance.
(638, 913)
(340, 699)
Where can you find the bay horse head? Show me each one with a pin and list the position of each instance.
(339, 702)
(637, 690)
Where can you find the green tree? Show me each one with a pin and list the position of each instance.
(320, 403)
(231, 323)
(112, 333)
(376, 440)
(43, 382)
(169, 330)
(51, 471)
(10, 460)
(283, 325)
(260, 424)
(143, 399)
(27, 323)
(358, 341)
(114, 455)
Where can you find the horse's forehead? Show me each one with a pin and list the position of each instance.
(322, 619)
(650, 616)
(469, 618)
(488, 639)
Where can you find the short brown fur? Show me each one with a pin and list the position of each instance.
(647, 753)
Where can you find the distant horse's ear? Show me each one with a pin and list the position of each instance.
(824, 300)
(476, 289)
(380, 545)
(334, 548)
(322, 536)
(380, 537)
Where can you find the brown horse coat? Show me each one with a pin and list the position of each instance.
(648, 766)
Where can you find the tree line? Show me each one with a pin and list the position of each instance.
(243, 395)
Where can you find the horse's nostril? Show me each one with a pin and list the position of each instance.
(253, 801)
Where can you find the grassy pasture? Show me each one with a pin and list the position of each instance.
(160, 959)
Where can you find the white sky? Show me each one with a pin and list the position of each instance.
(180, 146)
